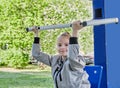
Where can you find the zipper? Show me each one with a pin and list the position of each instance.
(59, 72)
(57, 76)
(60, 76)
(56, 80)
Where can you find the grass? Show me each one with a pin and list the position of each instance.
(26, 79)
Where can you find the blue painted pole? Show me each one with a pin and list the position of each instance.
(106, 42)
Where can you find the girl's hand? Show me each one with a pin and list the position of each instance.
(35, 30)
(76, 27)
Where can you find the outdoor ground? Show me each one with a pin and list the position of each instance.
(6, 69)
(31, 77)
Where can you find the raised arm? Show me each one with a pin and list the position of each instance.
(36, 52)
(76, 61)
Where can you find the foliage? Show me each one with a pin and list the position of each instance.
(16, 15)
(14, 58)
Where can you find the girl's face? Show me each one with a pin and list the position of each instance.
(62, 45)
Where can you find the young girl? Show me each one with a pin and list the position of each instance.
(67, 66)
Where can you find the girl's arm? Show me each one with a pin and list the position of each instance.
(36, 52)
(76, 61)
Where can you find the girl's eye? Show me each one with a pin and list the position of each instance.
(66, 44)
(59, 45)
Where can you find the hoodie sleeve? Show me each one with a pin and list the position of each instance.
(38, 55)
(76, 61)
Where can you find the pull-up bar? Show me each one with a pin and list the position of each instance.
(84, 23)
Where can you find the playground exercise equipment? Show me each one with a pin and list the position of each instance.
(95, 75)
(84, 23)
(107, 43)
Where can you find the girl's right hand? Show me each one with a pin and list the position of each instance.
(35, 30)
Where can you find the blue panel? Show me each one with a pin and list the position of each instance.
(95, 74)
(113, 44)
(106, 42)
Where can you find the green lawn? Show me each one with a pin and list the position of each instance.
(42, 79)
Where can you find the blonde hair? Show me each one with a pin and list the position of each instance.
(65, 34)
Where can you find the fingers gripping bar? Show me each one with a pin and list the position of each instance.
(84, 23)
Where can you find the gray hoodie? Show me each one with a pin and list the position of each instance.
(66, 73)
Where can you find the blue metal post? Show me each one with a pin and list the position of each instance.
(107, 43)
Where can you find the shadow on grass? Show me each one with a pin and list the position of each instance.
(41, 79)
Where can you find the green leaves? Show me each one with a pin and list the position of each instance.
(14, 58)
